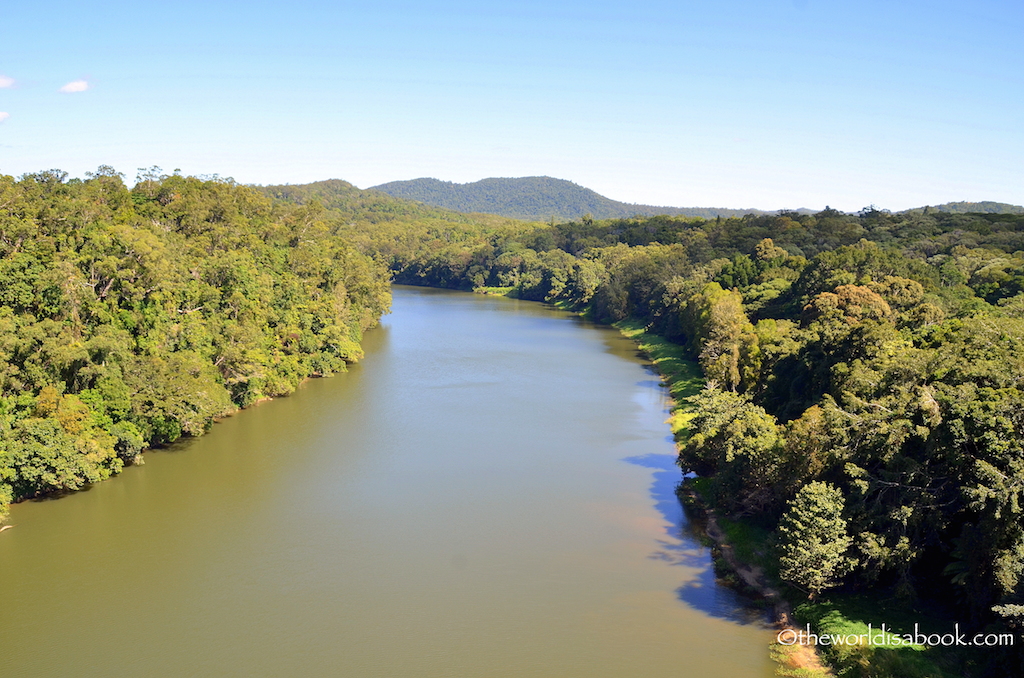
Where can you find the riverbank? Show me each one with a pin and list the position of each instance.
(737, 557)
(743, 555)
(139, 459)
(683, 378)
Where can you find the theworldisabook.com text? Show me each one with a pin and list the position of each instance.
(884, 637)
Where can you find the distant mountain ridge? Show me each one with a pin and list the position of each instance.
(535, 199)
(983, 207)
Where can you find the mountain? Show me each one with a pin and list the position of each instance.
(526, 198)
(983, 207)
(345, 201)
(534, 199)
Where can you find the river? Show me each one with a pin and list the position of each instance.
(489, 493)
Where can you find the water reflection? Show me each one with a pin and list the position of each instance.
(682, 546)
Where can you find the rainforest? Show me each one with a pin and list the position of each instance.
(859, 425)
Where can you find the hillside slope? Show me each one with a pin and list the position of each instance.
(534, 199)
(983, 207)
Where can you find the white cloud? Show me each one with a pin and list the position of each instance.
(4, 116)
(75, 86)
(6, 82)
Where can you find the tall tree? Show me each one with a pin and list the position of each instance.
(814, 540)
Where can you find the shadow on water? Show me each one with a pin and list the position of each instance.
(683, 545)
(649, 384)
(180, 445)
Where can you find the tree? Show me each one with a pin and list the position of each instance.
(727, 344)
(736, 444)
(813, 540)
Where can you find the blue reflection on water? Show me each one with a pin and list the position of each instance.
(682, 546)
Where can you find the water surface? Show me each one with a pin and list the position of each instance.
(488, 493)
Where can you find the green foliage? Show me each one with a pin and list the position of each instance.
(985, 206)
(728, 347)
(738, 446)
(129, 318)
(813, 539)
(849, 616)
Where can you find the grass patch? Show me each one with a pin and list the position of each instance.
(795, 662)
(565, 305)
(849, 616)
(495, 291)
(752, 545)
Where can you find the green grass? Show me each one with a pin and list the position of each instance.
(496, 291)
(752, 544)
(788, 660)
(850, 615)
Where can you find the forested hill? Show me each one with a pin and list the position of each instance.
(344, 201)
(534, 199)
(546, 198)
(983, 207)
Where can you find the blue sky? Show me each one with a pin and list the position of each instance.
(736, 103)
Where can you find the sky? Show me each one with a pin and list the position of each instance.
(736, 103)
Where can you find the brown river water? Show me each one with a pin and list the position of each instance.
(489, 493)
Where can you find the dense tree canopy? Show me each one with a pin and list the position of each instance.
(129, 318)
